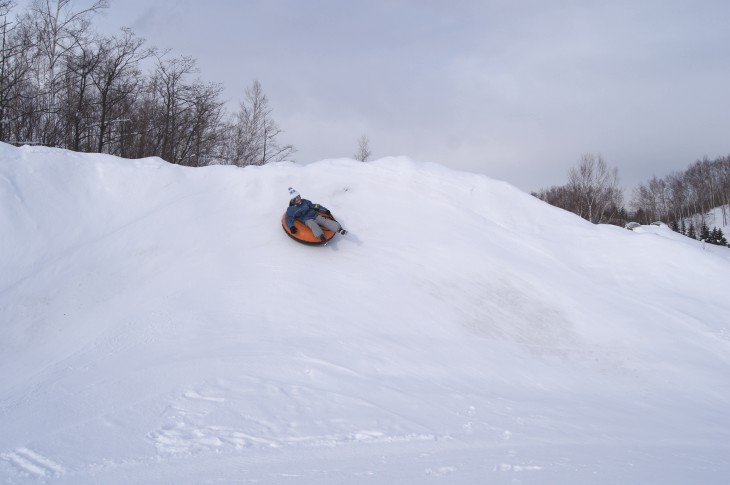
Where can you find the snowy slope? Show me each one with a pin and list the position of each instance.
(159, 327)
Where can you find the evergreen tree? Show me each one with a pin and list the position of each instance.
(721, 238)
(683, 228)
(704, 232)
(714, 238)
(675, 226)
(691, 231)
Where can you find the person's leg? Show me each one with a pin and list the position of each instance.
(330, 224)
(316, 230)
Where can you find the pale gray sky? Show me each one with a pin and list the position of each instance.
(516, 90)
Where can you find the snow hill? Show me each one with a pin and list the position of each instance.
(158, 326)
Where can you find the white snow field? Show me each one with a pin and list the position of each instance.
(157, 326)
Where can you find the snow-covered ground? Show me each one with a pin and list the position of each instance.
(718, 217)
(157, 326)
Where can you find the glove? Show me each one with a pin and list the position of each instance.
(326, 211)
(293, 229)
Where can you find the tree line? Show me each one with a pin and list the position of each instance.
(63, 84)
(592, 192)
(714, 236)
(681, 195)
(680, 200)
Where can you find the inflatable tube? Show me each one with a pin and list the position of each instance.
(304, 234)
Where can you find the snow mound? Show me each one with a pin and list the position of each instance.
(158, 325)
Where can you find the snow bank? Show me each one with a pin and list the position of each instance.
(159, 326)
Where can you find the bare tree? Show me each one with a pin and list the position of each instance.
(14, 68)
(363, 149)
(691, 194)
(678, 196)
(253, 134)
(177, 119)
(204, 129)
(61, 84)
(595, 187)
(170, 99)
(116, 77)
(78, 97)
(59, 29)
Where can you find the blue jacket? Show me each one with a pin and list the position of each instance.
(303, 212)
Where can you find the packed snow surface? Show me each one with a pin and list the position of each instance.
(158, 326)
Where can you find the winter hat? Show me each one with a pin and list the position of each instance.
(293, 194)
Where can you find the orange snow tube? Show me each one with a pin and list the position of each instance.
(304, 234)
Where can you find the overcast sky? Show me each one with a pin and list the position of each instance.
(517, 90)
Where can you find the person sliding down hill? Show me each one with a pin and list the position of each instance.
(311, 215)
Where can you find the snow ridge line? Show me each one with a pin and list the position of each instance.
(31, 463)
